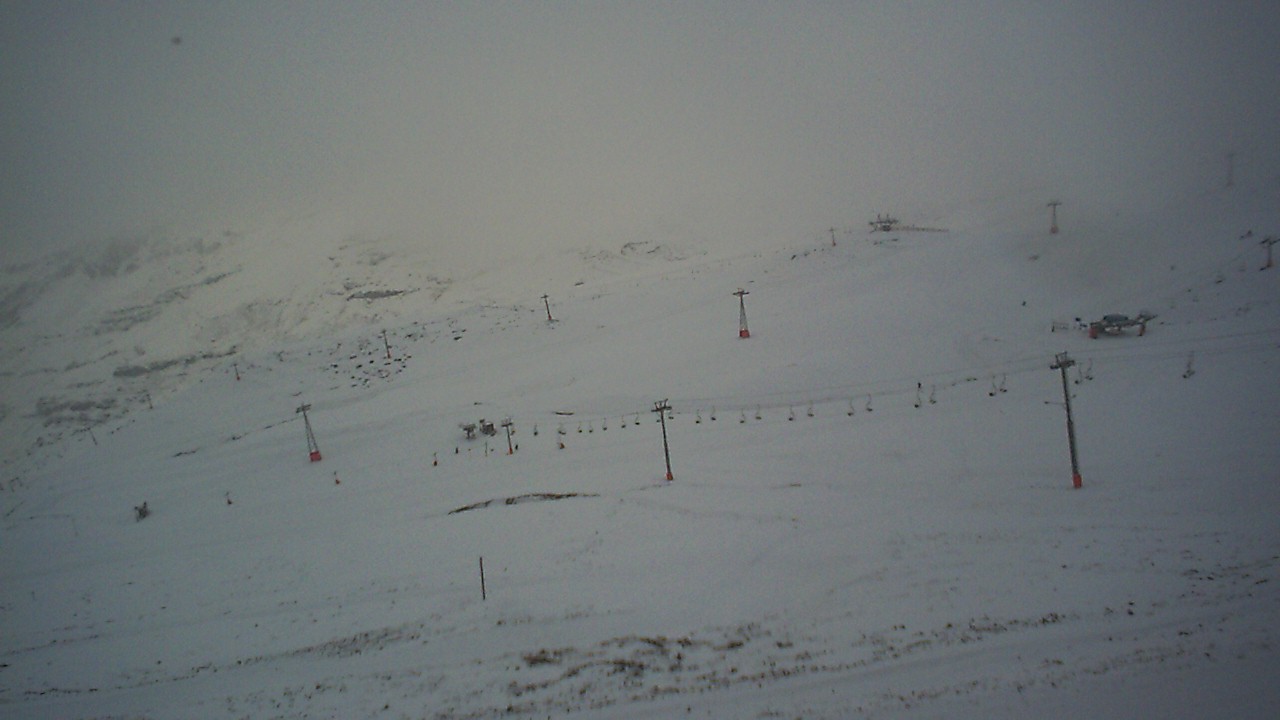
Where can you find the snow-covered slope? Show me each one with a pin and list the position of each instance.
(872, 511)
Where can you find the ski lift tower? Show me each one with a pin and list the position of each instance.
(743, 332)
(312, 446)
(1053, 217)
(1061, 362)
(506, 423)
(662, 407)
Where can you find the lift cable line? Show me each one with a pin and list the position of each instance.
(852, 394)
(997, 372)
(889, 223)
(1243, 342)
(997, 375)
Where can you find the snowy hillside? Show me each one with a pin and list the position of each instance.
(872, 512)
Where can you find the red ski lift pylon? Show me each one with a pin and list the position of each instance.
(312, 446)
(743, 332)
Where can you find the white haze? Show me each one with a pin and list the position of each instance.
(361, 206)
(487, 131)
(872, 511)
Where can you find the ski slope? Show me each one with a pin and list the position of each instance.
(871, 515)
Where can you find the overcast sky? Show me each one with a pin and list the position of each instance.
(550, 125)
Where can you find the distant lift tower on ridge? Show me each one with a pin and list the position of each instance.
(1053, 217)
(743, 332)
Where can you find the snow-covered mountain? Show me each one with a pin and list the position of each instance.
(90, 335)
(872, 511)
